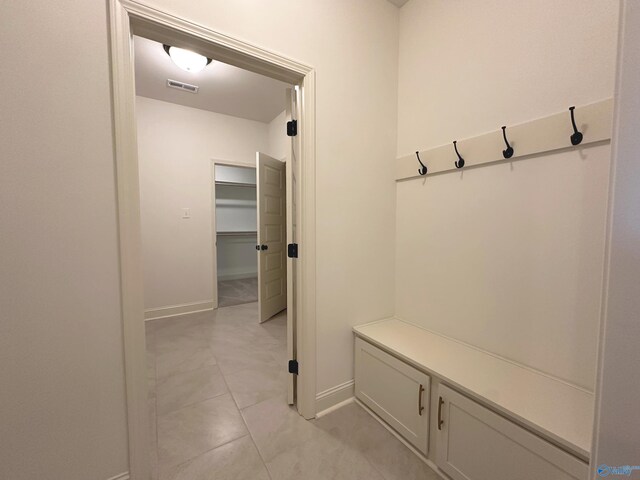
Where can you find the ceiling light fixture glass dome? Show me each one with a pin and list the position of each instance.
(186, 59)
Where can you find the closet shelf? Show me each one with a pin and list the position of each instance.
(237, 234)
(236, 184)
(235, 203)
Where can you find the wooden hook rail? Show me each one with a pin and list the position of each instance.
(555, 132)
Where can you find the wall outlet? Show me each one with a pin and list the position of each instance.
(186, 213)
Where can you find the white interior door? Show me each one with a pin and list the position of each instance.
(293, 169)
(272, 251)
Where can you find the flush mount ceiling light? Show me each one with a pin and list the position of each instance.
(186, 59)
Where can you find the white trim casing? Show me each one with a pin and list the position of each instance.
(176, 310)
(616, 434)
(306, 314)
(130, 243)
(334, 397)
(127, 17)
(214, 238)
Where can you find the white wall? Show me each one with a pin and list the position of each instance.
(279, 143)
(506, 257)
(62, 406)
(62, 400)
(176, 145)
(617, 426)
(353, 47)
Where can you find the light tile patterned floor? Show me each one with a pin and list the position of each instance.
(236, 292)
(218, 408)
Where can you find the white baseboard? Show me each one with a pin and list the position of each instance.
(174, 310)
(331, 398)
(122, 476)
(419, 454)
(335, 407)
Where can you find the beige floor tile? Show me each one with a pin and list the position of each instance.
(229, 334)
(320, 459)
(236, 292)
(172, 342)
(151, 374)
(151, 388)
(352, 426)
(187, 388)
(253, 385)
(183, 359)
(201, 355)
(187, 327)
(186, 433)
(153, 440)
(232, 358)
(236, 460)
(150, 337)
(276, 427)
(294, 448)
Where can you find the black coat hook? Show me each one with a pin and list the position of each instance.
(423, 169)
(576, 137)
(508, 152)
(460, 162)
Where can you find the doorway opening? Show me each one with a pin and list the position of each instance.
(236, 243)
(212, 356)
(253, 217)
(127, 19)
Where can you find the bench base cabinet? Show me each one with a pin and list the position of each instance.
(474, 443)
(395, 391)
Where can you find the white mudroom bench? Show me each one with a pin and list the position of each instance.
(475, 415)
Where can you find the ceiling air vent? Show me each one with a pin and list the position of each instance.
(182, 86)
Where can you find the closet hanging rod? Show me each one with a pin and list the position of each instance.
(554, 132)
(237, 234)
(236, 184)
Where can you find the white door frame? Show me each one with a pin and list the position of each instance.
(214, 238)
(127, 17)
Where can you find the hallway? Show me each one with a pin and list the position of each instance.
(217, 399)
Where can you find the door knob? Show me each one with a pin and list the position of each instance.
(257, 247)
(264, 247)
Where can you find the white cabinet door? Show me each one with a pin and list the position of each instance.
(395, 391)
(474, 443)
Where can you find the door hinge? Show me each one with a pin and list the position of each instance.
(293, 367)
(292, 250)
(292, 128)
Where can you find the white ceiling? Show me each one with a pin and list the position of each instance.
(399, 3)
(223, 88)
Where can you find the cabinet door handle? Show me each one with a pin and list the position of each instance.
(440, 421)
(420, 407)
